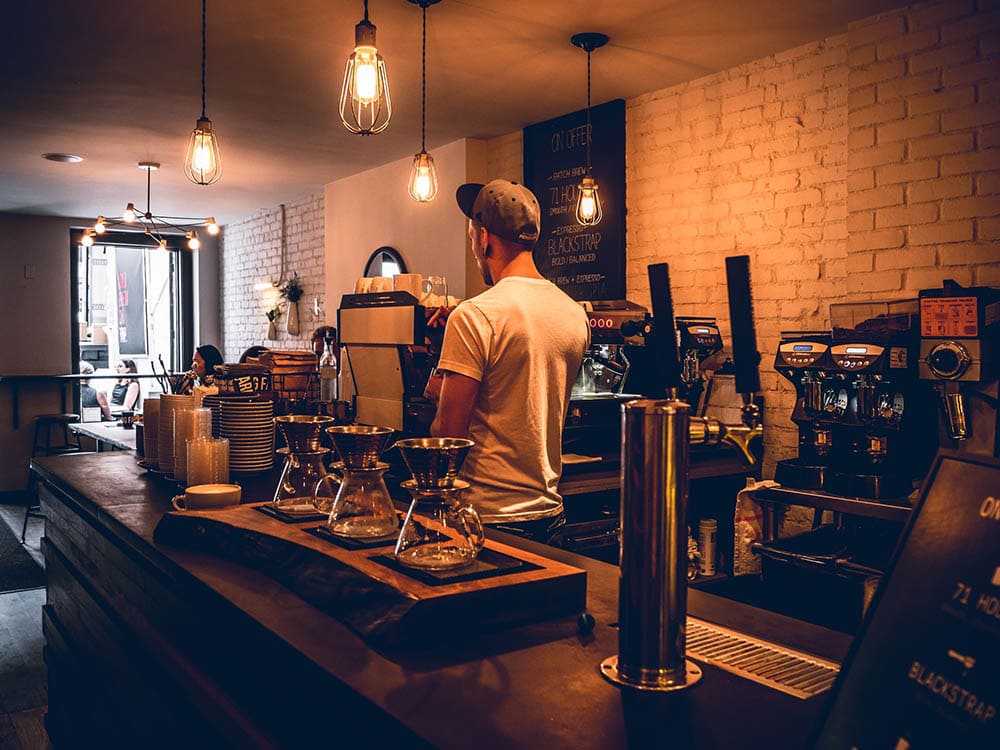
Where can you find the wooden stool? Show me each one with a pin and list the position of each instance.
(44, 424)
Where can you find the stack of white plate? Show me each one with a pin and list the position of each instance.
(249, 425)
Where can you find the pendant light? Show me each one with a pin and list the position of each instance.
(423, 185)
(365, 107)
(588, 202)
(203, 164)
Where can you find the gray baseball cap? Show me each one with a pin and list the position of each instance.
(505, 208)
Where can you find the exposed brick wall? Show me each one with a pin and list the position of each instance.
(863, 166)
(748, 161)
(250, 258)
(924, 165)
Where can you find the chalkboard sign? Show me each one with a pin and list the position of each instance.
(131, 289)
(925, 670)
(588, 263)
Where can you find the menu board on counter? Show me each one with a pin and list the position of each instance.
(924, 672)
(586, 262)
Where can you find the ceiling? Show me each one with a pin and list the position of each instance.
(118, 82)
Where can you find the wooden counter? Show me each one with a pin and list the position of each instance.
(154, 646)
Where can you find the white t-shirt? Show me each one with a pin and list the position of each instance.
(523, 340)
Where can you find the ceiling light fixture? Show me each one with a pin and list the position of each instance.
(365, 107)
(63, 158)
(203, 163)
(157, 228)
(423, 185)
(588, 203)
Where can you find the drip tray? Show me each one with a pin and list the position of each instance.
(792, 672)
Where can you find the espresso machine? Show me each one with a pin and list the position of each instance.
(866, 423)
(960, 356)
(384, 337)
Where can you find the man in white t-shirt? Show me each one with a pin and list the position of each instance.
(508, 361)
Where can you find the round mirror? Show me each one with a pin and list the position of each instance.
(386, 261)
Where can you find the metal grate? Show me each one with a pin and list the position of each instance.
(792, 672)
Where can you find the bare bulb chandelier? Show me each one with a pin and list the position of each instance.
(365, 107)
(423, 184)
(157, 228)
(203, 163)
(588, 202)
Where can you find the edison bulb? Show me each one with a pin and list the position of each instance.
(588, 205)
(88, 239)
(129, 214)
(163, 244)
(423, 185)
(213, 228)
(365, 75)
(100, 227)
(193, 242)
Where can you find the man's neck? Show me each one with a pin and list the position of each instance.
(522, 264)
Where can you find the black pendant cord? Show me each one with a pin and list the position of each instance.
(204, 24)
(149, 174)
(423, 86)
(588, 113)
(366, 12)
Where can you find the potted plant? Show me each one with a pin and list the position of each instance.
(291, 291)
(272, 315)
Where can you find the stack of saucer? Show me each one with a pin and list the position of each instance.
(213, 400)
(249, 426)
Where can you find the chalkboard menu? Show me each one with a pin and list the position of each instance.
(925, 670)
(588, 263)
(131, 290)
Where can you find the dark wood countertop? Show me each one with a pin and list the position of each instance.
(533, 686)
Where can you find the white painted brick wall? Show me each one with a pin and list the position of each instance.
(250, 259)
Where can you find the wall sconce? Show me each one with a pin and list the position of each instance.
(365, 107)
(588, 202)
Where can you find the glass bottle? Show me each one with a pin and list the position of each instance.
(328, 373)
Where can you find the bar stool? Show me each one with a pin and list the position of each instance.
(41, 445)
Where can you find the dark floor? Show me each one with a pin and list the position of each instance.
(23, 694)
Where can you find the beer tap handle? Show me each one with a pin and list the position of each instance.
(664, 333)
(746, 358)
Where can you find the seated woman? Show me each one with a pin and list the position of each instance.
(125, 394)
(90, 397)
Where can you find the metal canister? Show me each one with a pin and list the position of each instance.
(652, 590)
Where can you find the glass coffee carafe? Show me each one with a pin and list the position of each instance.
(296, 493)
(362, 508)
(440, 532)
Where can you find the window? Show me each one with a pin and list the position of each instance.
(132, 301)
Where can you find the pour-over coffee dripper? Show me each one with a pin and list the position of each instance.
(363, 508)
(304, 468)
(439, 533)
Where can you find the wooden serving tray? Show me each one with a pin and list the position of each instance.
(379, 602)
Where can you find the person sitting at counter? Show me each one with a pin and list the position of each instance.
(125, 394)
(202, 369)
(90, 397)
(507, 365)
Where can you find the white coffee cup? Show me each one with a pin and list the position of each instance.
(409, 282)
(208, 496)
(382, 284)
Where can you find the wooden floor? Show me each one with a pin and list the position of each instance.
(23, 694)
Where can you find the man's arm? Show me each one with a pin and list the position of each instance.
(102, 401)
(458, 395)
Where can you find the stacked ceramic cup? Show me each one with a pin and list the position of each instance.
(207, 461)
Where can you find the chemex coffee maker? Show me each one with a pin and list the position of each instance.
(384, 338)
(960, 356)
(866, 423)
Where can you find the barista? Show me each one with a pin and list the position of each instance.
(507, 364)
